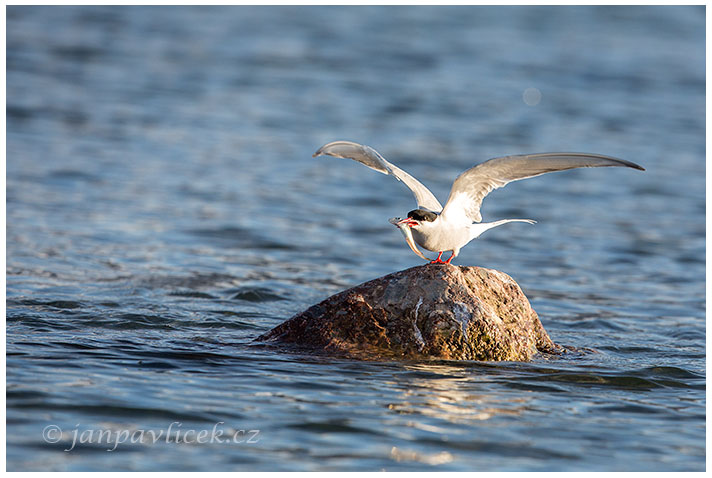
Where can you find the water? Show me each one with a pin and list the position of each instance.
(163, 210)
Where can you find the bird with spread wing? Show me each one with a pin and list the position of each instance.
(449, 228)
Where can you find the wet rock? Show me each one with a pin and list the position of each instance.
(430, 311)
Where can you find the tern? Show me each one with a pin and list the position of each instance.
(450, 228)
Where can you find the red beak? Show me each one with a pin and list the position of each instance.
(408, 222)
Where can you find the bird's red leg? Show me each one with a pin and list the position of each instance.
(438, 261)
(449, 259)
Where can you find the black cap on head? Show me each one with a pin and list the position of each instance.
(422, 215)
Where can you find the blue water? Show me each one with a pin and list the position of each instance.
(163, 210)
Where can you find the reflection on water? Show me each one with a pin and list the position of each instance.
(163, 210)
(444, 393)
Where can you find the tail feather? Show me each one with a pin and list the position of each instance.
(478, 228)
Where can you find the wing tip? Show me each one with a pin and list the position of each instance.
(632, 165)
(621, 162)
(625, 162)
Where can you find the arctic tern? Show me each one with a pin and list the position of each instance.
(439, 229)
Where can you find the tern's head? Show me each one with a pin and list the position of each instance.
(417, 217)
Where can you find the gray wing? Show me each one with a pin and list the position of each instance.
(370, 157)
(471, 187)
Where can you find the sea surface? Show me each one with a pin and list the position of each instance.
(163, 210)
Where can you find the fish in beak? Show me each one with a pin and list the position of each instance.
(404, 225)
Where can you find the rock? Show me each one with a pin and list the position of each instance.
(430, 311)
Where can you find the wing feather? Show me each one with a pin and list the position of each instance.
(372, 159)
(471, 187)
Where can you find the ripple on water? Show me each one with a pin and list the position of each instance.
(234, 237)
(157, 224)
(256, 294)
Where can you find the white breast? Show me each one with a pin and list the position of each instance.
(442, 235)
